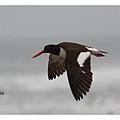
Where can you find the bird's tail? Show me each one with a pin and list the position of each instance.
(96, 52)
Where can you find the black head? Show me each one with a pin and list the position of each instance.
(54, 49)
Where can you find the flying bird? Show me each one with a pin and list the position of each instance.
(64, 57)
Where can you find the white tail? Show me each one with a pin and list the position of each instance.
(96, 52)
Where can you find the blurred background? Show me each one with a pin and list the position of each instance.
(25, 30)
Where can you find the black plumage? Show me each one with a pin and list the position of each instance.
(63, 57)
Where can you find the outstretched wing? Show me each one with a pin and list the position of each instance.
(56, 66)
(80, 78)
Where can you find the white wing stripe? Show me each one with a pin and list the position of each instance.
(82, 57)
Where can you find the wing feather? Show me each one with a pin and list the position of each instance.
(80, 78)
(56, 66)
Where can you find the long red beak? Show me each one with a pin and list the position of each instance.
(43, 51)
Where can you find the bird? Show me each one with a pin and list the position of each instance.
(64, 57)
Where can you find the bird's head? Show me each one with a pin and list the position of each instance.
(54, 49)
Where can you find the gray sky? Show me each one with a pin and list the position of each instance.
(24, 31)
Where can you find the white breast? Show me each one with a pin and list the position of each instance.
(62, 53)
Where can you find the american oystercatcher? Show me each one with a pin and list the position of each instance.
(63, 57)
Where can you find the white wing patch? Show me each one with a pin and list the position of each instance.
(82, 57)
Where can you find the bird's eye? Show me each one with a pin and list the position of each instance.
(48, 47)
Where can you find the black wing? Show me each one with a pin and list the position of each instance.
(56, 66)
(80, 78)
